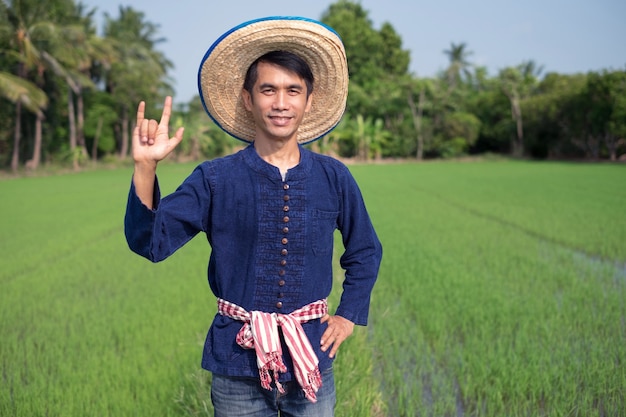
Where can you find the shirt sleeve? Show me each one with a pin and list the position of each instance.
(156, 234)
(362, 256)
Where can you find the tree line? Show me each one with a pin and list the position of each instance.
(68, 95)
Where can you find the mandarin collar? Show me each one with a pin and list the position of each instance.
(258, 164)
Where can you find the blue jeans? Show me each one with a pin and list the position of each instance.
(244, 397)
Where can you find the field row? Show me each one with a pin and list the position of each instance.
(502, 292)
(495, 298)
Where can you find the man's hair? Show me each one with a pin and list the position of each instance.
(284, 59)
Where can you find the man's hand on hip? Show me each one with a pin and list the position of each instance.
(339, 329)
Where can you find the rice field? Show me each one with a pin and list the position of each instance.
(502, 293)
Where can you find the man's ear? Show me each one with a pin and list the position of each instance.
(309, 103)
(247, 99)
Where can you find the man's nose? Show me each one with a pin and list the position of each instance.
(280, 100)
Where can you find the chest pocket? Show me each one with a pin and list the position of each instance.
(323, 224)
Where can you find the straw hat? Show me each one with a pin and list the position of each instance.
(224, 66)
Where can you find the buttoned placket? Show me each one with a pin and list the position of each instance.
(284, 241)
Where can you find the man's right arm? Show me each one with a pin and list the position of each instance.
(151, 144)
(144, 177)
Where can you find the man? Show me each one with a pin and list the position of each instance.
(269, 213)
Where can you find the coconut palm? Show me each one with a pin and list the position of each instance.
(24, 26)
(23, 94)
(517, 83)
(458, 66)
(141, 70)
(74, 65)
(418, 87)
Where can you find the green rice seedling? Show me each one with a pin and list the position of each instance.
(494, 284)
(88, 328)
(502, 292)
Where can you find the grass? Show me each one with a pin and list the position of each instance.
(502, 292)
(88, 328)
(503, 288)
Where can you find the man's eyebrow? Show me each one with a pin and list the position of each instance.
(289, 87)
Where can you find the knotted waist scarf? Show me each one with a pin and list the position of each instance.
(260, 332)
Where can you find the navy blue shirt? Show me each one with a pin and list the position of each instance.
(271, 243)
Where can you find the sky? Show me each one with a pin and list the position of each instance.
(564, 36)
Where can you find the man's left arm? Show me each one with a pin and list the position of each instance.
(361, 261)
(338, 330)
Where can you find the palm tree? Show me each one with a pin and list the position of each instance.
(517, 83)
(141, 70)
(443, 88)
(35, 40)
(459, 65)
(23, 94)
(23, 23)
(73, 65)
(60, 40)
(417, 113)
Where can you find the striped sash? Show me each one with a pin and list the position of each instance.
(260, 332)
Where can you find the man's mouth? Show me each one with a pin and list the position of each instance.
(280, 120)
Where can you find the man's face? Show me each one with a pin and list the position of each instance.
(278, 102)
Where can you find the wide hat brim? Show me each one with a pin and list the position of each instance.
(224, 66)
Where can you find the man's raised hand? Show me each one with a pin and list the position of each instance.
(151, 140)
(151, 144)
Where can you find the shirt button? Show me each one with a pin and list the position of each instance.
(286, 208)
(286, 198)
(284, 241)
(286, 219)
(281, 295)
(285, 229)
(283, 252)
(279, 305)
(281, 283)
(281, 272)
(283, 262)
(285, 186)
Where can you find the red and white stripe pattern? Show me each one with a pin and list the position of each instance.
(260, 332)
